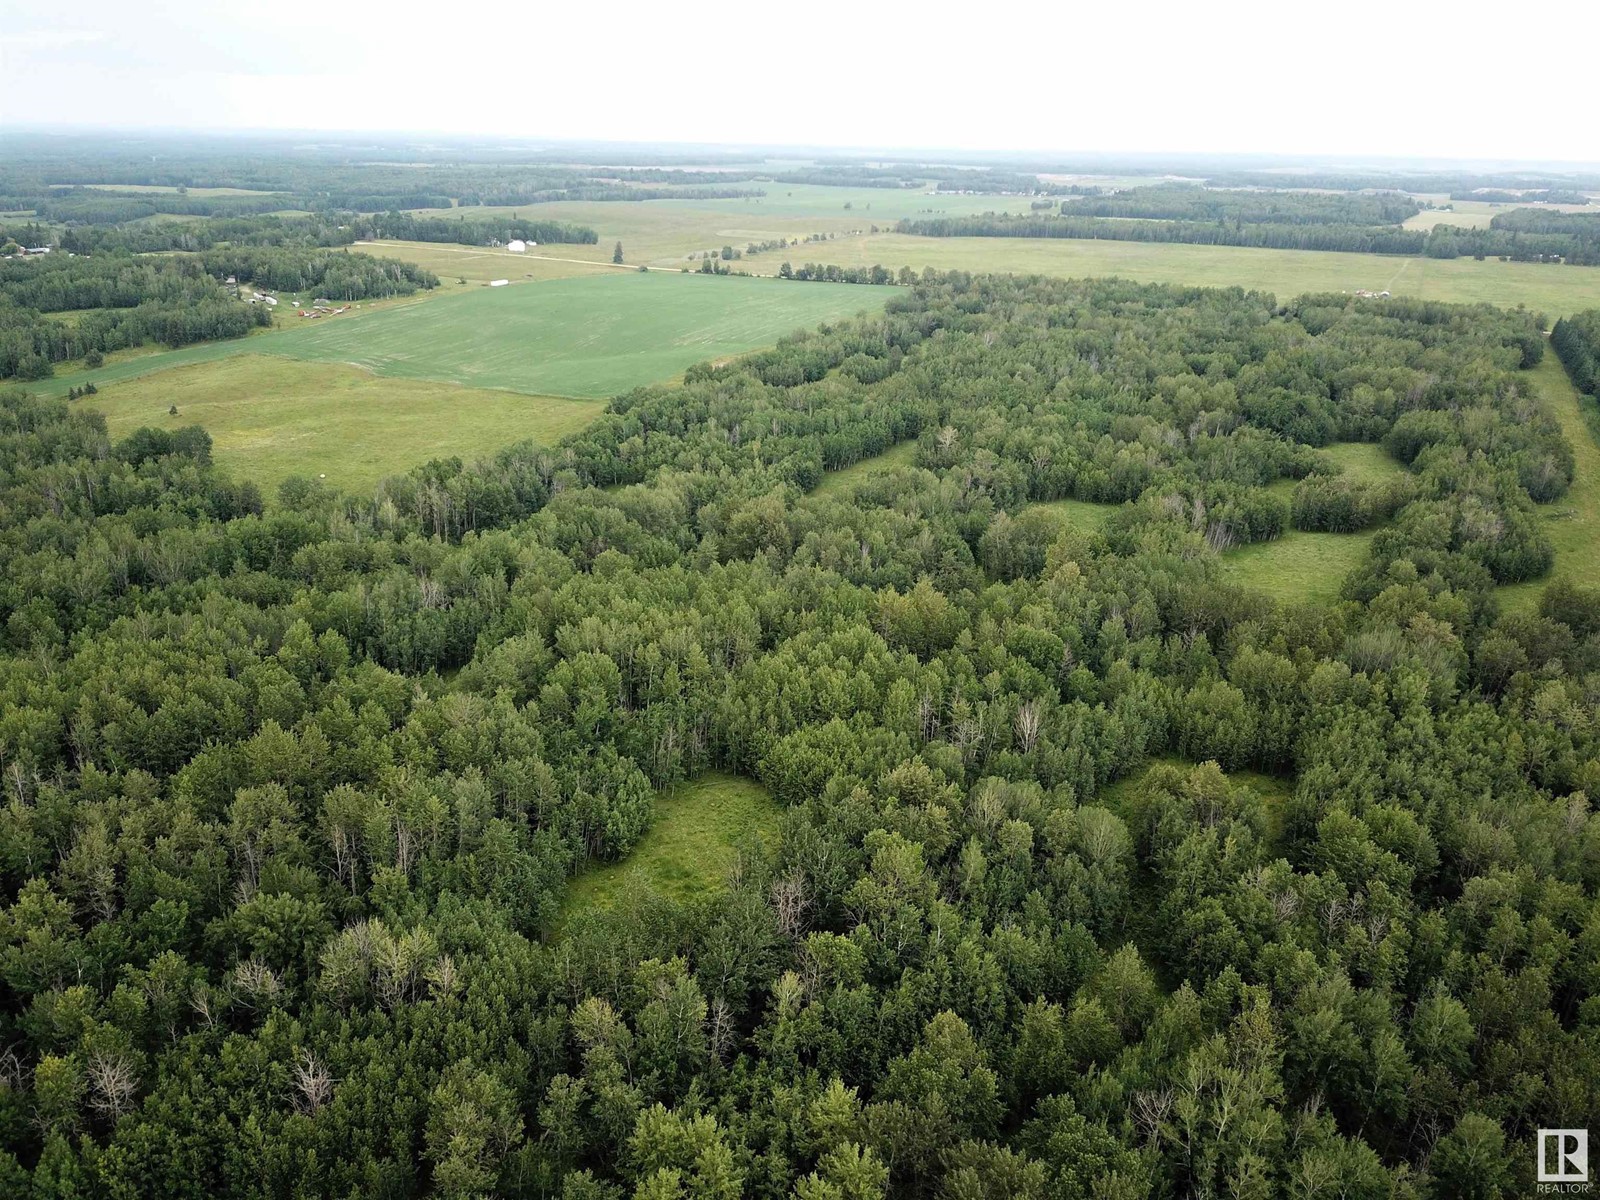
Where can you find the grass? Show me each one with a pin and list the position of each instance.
(1084, 514)
(1273, 789)
(688, 849)
(592, 337)
(1365, 462)
(1299, 567)
(844, 480)
(273, 417)
(1572, 523)
(479, 264)
(1556, 290)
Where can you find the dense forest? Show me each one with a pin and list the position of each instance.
(472, 230)
(1577, 343)
(293, 790)
(1189, 202)
(1365, 239)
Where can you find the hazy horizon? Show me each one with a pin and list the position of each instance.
(1382, 82)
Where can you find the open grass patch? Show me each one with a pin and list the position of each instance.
(592, 337)
(1275, 791)
(271, 417)
(1299, 567)
(1081, 514)
(842, 481)
(1364, 462)
(689, 847)
(1572, 523)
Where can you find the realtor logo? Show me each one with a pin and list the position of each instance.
(1563, 1156)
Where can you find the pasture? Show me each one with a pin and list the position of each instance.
(1556, 290)
(589, 337)
(272, 417)
(688, 849)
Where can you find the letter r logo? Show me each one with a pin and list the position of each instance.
(1563, 1156)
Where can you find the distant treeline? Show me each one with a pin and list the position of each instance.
(1576, 340)
(338, 275)
(168, 300)
(98, 207)
(200, 235)
(1355, 238)
(1411, 181)
(1524, 235)
(473, 230)
(833, 273)
(1188, 202)
(120, 301)
(1546, 196)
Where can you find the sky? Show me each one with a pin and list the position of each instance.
(1229, 76)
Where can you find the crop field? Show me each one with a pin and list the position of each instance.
(591, 337)
(688, 849)
(1555, 290)
(1572, 523)
(272, 417)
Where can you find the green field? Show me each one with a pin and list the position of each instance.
(840, 482)
(1572, 523)
(591, 337)
(1299, 567)
(1556, 290)
(272, 417)
(690, 846)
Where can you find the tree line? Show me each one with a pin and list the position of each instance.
(471, 230)
(1190, 202)
(1365, 239)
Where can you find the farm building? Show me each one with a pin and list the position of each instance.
(498, 282)
(516, 245)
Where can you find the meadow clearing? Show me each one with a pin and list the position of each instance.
(590, 337)
(272, 417)
(690, 845)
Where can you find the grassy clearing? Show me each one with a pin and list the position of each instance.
(1119, 796)
(1556, 290)
(1365, 462)
(274, 417)
(690, 846)
(592, 337)
(1299, 567)
(842, 481)
(1083, 514)
(1572, 523)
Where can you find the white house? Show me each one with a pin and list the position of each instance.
(516, 245)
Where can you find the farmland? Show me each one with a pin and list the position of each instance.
(272, 417)
(588, 337)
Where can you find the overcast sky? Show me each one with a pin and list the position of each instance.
(1356, 78)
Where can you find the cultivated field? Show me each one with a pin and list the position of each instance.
(272, 417)
(690, 845)
(591, 337)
